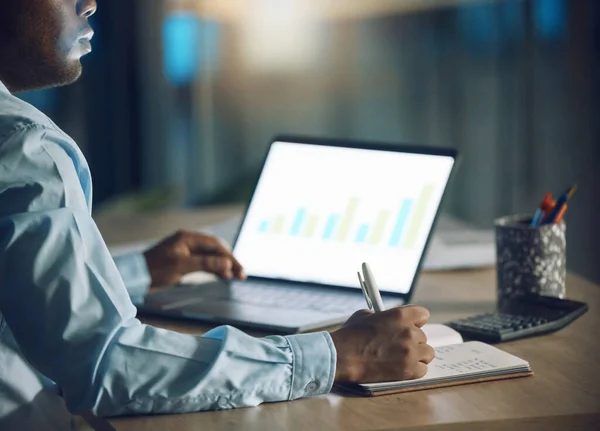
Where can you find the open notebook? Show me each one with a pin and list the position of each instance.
(455, 363)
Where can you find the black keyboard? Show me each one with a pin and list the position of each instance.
(520, 318)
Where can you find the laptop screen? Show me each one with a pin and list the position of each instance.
(319, 212)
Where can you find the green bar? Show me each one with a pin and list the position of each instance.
(417, 217)
(347, 219)
(379, 227)
(278, 224)
(311, 226)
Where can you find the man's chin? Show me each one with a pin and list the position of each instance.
(72, 73)
(67, 73)
(46, 77)
(65, 76)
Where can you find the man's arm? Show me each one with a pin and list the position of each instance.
(65, 302)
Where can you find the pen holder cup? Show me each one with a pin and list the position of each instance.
(530, 260)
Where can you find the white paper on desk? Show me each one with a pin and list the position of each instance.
(457, 245)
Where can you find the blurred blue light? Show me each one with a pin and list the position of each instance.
(550, 17)
(189, 44)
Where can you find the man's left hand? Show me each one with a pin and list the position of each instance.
(186, 252)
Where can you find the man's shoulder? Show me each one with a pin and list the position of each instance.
(24, 130)
(17, 115)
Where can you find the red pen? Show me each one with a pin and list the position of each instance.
(548, 204)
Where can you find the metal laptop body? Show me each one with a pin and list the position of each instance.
(278, 303)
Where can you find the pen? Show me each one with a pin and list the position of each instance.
(537, 217)
(561, 213)
(559, 208)
(546, 205)
(370, 289)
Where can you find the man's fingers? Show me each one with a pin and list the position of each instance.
(420, 370)
(203, 244)
(216, 246)
(426, 353)
(419, 336)
(215, 264)
(414, 313)
(220, 265)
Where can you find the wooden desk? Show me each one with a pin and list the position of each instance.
(564, 393)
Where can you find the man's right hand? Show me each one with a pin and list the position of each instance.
(386, 346)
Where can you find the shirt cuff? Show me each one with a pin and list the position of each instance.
(314, 364)
(135, 274)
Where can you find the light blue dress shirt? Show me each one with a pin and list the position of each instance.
(69, 336)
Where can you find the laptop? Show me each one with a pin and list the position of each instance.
(320, 208)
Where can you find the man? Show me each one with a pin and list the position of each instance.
(69, 339)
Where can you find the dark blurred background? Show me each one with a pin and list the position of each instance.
(180, 98)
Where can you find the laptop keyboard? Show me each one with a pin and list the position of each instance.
(299, 298)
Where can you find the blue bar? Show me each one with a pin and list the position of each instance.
(361, 236)
(400, 223)
(298, 222)
(330, 226)
(264, 226)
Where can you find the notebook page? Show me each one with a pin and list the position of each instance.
(441, 335)
(471, 358)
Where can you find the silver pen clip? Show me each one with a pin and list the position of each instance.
(363, 287)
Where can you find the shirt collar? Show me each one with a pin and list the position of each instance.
(3, 88)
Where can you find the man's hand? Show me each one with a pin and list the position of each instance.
(386, 346)
(186, 252)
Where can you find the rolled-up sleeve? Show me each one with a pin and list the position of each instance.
(64, 299)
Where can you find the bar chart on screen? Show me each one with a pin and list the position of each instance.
(318, 212)
(396, 225)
